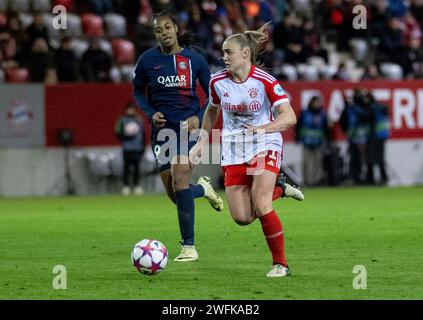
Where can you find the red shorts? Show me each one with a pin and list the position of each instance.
(242, 174)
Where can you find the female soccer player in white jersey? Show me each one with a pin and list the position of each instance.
(251, 137)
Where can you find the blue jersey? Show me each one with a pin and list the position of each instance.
(167, 83)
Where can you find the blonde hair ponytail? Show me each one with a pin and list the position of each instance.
(253, 39)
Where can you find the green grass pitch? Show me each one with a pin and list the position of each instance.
(328, 234)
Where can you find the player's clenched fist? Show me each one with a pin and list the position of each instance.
(159, 119)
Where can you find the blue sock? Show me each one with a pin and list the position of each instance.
(185, 206)
(197, 190)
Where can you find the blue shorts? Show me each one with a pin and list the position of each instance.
(169, 142)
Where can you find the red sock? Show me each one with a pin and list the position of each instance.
(277, 193)
(272, 229)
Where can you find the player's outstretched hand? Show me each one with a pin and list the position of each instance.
(191, 124)
(159, 120)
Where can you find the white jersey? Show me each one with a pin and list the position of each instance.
(249, 103)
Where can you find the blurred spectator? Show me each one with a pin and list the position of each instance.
(397, 8)
(410, 28)
(356, 120)
(131, 132)
(313, 133)
(95, 64)
(380, 18)
(413, 57)
(333, 18)
(67, 63)
(36, 30)
(201, 26)
(14, 26)
(164, 5)
(133, 11)
(41, 63)
(143, 37)
(342, 73)
(8, 51)
(371, 72)
(381, 132)
(391, 42)
(416, 9)
(289, 35)
(312, 40)
(100, 7)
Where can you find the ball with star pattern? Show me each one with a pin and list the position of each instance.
(149, 256)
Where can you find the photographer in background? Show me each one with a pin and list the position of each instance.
(130, 130)
(380, 133)
(312, 132)
(356, 121)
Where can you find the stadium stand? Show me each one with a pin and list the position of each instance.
(309, 39)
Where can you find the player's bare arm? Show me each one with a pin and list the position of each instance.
(209, 120)
(286, 118)
(210, 117)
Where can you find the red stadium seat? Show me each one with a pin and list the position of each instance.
(92, 25)
(123, 51)
(17, 75)
(68, 4)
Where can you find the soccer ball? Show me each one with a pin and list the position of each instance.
(149, 256)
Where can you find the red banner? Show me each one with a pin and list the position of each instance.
(404, 99)
(92, 109)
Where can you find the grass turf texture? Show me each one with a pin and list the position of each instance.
(325, 237)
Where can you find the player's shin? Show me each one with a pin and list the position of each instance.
(272, 229)
(185, 206)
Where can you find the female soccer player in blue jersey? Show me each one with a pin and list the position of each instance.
(165, 89)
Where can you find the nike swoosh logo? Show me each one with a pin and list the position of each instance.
(157, 67)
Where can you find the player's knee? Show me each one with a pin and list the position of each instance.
(261, 210)
(244, 221)
(180, 183)
(262, 205)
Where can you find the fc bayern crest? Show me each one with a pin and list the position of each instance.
(182, 65)
(20, 116)
(253, 93)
